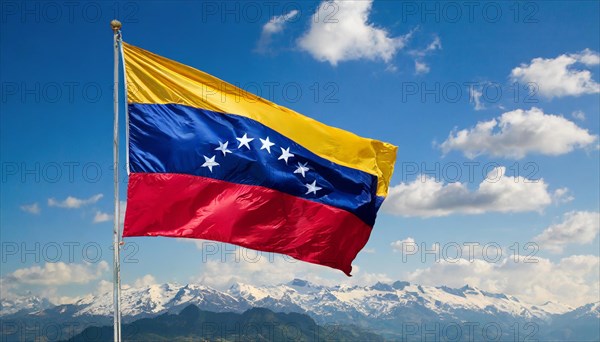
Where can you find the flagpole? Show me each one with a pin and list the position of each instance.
(116, 27)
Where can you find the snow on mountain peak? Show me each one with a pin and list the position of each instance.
(380, 300)
(29, 302)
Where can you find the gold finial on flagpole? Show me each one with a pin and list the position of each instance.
(116, 25)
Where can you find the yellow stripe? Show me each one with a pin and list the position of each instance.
(155, 79)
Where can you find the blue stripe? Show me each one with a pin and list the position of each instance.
(172, 138)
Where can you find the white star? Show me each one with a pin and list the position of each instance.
(312, 188)
(223, 148)
(266, 144)
(209, 162)
(285, 154)
(302, 168)
(244, 141)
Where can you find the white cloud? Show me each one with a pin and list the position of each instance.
(59, 273)
(391, 68)
(103, 287)
(588, 57)
(436, 44)
(579, 115)
(517, 133)
(261, 268)
(6, 284)
(33, 208)
(405, 245)
(426, 197)
(102, 217)
(52, 294)
(144, 281)
(421, 67)
(557, 77)
(574, 280)
(276, 24)
(475, 97)
(562, 195)
(74, 202)
(577, 227)
(409, 246)
(341, 31)
(273, 26)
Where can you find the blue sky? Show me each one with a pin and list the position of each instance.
(404, 72)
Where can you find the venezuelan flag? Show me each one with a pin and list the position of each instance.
(211, 161)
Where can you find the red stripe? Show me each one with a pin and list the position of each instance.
(178, 205)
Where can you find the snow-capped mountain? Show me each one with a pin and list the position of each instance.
(381, 307)
(159, 298)
(591, 310)
(27, 303)
(377, 301)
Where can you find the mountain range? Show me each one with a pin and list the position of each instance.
(257, 325)
(397, 311)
